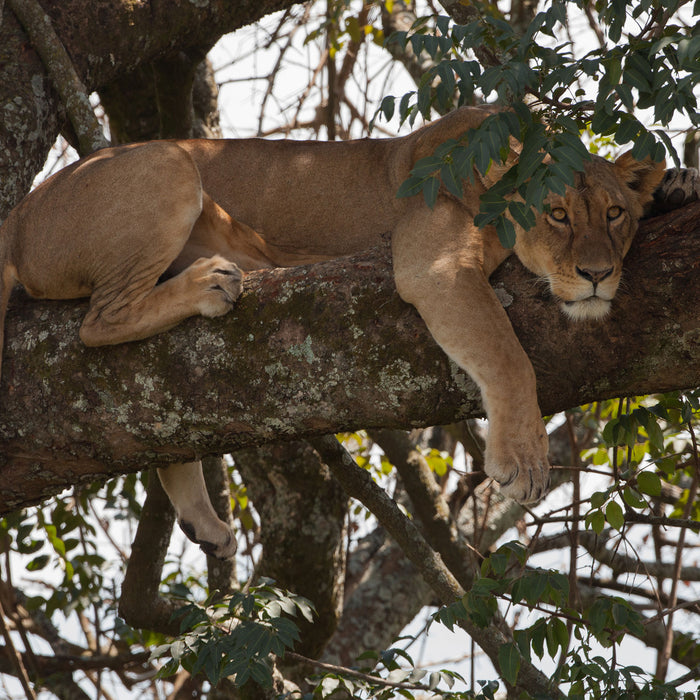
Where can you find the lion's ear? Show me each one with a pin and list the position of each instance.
(642, 176)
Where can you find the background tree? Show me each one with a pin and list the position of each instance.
(366, 578)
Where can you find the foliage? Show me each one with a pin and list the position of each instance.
(239, 636)
(235, 636)
(641, 446)
(549, 90)
(573, 634)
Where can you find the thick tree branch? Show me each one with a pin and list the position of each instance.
(302, 513)
(383, 588)
(221, 573)
(107, 39)
(140, 603)
(72, 414)
(429, 505)
(383, 591)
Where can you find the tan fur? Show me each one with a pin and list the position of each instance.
(109, 226)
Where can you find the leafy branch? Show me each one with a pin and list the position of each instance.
(235, 637)
(533, 76)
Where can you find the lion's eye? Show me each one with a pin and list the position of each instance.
(614, 213)
(559, 214)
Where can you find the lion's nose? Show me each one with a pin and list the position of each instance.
(594, 276)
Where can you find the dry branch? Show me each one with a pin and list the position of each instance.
(315, 350)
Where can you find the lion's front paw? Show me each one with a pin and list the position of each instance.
(520, 466)
(219, 284)
(219, 543)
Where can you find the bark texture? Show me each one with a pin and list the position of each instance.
(315, 350)
(302, 513)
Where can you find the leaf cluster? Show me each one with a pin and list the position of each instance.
(594, 677)
(648, 443)
(237, 636)
(341, 26)
(62, 539)
(393, 672)
(505, 576)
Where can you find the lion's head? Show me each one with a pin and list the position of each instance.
(578, 245)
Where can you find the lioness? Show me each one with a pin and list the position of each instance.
(111, 225)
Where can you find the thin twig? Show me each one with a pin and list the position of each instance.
(16, 657)
(574, 600)
(669, 611)
(665, 654)
(344, 671)
(630, 516)
(428, 503)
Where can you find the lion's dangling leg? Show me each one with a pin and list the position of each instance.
(184, 484)
(446, 283)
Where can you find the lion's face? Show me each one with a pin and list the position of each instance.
(578, 245)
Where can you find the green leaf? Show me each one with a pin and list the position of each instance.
(534, 586)
(482, 155)
(632, 498)
(563, 173)
(387, 107)
(649, 483)
(451, 179)
(431, 187)
(612, 433)
(509, 662)
(596, 520)
(410, 187)
(620, 614)
(557, 636)
(537, 635)
(426, 167)
(405, 106)
(531, 156)
(38, 562)
(644, 146)
(424, 100)
(598, 498)
(522, 214)
(614, 515)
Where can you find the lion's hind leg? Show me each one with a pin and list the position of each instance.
(184, 484)
(208, 287)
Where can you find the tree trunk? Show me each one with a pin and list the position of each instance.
(105, 40)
